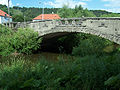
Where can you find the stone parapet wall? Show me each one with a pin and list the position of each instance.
(108, 28)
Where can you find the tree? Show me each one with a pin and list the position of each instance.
(111, 15)
(65, 12)
(87, 13)
(18, 18)
(78, 11)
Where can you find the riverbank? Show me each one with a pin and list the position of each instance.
(83, 73)
(49, 56)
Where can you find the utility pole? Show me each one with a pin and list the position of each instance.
(42, 11)
(8, 13)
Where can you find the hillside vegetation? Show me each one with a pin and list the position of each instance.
(20, 13)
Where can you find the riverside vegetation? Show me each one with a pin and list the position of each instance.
(22, 41)
(96, 63)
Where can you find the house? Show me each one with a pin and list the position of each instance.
(4, 17)
(46, 17)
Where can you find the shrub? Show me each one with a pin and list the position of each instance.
(4, 30)
(5, 40)
(86, 73)
(91, 45)
(6, 46)
(23, 41)
(26, 41)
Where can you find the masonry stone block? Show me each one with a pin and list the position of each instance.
(108, 28)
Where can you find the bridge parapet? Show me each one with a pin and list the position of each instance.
(108, 28)
(78, 21)
(61, 22)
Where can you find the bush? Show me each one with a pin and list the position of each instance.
(86, 73)
(5, 37)
(4, 30)
(91, 45)
(23, 41)
(5, 45)
(26, 41)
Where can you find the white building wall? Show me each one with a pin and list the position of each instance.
(4, 19)
(0, 20)
(36, 20)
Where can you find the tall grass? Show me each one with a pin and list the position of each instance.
(86, 73)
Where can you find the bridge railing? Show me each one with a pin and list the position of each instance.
(15, 25)
(60, 22)
(78, 21)
(70, 22)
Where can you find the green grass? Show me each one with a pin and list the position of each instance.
(84, 73)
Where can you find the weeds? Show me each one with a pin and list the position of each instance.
(84, 73)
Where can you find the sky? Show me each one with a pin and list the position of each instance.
(109, 5)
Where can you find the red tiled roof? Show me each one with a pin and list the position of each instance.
(2, 13)
(47, 17)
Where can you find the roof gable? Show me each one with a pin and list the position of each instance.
(2, 13)
(47, 17)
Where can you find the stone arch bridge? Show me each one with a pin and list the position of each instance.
(108, 28)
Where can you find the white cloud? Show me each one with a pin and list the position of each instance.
(71, 3)
(110, 0)
(17, 4)
(5, 2)
(85, 0)
(115, 10)
(113, 5)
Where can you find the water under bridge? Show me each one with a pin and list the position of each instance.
(108, 28)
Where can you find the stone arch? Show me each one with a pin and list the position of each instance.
(113, 38)
(108, 28)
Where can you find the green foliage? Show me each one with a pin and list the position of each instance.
(86, 73)
(113, 82)
(4, 8)
(66, 43)
(23, 41)
(26, 41)
(5, 36)
(78, 11)
(65, 12)
(99, 13)
(18, 18)
(12, 73)
(15, 12)
(5, 45)
(111, 15)
(29, 13)
(90, 45)
(4, 30)
(87, 13)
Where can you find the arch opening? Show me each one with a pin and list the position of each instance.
(64, 42)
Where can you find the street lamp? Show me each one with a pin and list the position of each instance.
(8, 13)
(42, 11)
